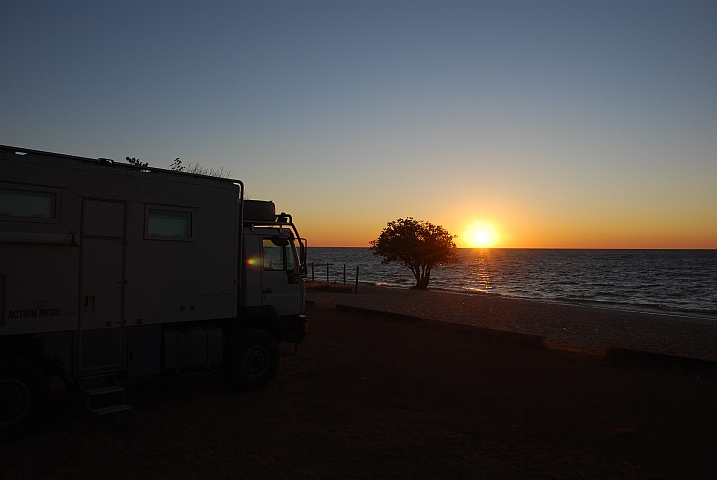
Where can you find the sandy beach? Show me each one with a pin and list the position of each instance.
(571, 327)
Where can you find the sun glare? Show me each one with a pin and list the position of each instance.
(481, 235)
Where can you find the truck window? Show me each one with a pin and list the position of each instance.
(273, 255)
(168, 224)
(27, 204)
(290, 258)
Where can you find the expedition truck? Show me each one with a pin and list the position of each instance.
(110, 271)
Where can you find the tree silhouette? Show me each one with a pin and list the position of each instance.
(417, 245)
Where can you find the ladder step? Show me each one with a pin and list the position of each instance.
(107, 397)
(103, 390)
(112, 409)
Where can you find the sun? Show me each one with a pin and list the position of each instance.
(481, 235)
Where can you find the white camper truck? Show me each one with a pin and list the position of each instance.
(110, 270)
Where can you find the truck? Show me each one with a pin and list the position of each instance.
(111, 270)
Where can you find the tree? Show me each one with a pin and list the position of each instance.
(415, 244)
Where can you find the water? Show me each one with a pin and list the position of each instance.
(669, 281)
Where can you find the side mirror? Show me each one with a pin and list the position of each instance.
(302, 256)
(279, 241)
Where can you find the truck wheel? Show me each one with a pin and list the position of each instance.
(24, 395)
(252, 360)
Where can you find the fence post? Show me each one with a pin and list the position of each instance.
(327, 272)
(356, 287)
(344, 274)
(313, 278)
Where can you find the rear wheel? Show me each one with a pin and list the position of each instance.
(252, 361)
(24, 394)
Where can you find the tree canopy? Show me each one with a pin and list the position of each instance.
(417, 245)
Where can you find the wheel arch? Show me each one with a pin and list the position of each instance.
(25, 396)
(263, 318)
(27, 346)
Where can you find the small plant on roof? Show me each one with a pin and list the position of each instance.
(177, 165)
(136, 162)
(197, 169)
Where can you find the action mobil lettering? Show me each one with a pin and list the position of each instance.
(44, 312)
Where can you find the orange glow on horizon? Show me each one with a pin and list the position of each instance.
(513, 228)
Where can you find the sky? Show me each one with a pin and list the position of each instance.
(553, 124)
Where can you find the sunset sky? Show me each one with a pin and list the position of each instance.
(569, 124)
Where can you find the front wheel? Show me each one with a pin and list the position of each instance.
(252, 360)
(24, 394)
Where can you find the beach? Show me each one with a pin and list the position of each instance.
(571, 327)
(372, 395)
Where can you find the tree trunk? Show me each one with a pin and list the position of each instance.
(422, 279)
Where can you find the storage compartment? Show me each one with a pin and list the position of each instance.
(143, 347)
(191, 350)
(58, 346)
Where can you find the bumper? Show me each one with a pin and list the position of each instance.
(294, 328)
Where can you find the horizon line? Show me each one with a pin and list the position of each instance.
(551, 248)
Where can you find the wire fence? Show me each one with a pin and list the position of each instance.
(340, 274)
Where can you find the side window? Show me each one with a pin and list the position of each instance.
(28, 205)
(166, 223)
(273, 255)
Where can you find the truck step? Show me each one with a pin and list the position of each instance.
(104, 390)
(102, 394)
(112, 409)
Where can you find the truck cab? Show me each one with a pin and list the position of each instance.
(275, 261)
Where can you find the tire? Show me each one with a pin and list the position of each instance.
(24, 396)
(252, 361)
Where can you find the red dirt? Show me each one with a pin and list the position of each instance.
(380, 398)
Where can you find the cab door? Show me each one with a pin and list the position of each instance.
(280, 288)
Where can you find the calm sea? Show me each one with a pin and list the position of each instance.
(669, 281)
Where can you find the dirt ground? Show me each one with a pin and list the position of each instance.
(379, 398)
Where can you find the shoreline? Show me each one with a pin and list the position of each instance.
(673, 315)
(687, 315)
(564, 326)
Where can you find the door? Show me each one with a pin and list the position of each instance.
(102, 260)
(276, 288)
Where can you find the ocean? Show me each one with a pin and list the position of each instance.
(681, 282)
